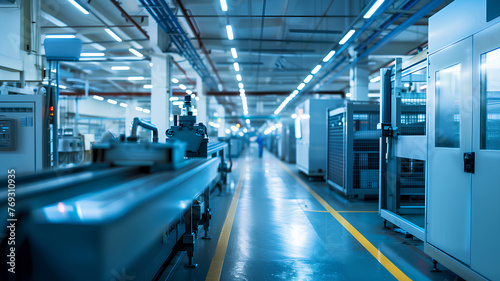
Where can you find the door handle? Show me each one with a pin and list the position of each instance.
(469, 161)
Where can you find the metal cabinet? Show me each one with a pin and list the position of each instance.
(464, 145)
(353, 149)
(310, 131)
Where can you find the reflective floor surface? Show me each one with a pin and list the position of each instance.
(281, 232)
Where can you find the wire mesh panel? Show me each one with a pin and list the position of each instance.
(411, 180)
(336, 140)
(413, 104)
(365, 150)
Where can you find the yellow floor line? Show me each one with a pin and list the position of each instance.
(215, 269)
(395, 271)
(357, 211)
(316, 211)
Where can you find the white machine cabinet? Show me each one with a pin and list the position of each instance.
(464, 141)
(311, 131)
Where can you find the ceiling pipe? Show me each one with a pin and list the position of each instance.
(269, 93)
(129, 18)
(196, 31)
(411, 20)
(118, 94)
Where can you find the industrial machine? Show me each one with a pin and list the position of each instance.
(287, 142)
(464, 139)
(23, 136)
(129, 213)
(403, 145)
(310, 132)
(71, 148)
(353, 149)
(185, 129)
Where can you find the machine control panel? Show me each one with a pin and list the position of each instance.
(7, 134)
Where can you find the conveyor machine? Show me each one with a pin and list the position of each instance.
(127, 215)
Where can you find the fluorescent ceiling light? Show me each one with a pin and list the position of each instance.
(61, 36)
(308, 78)
(223, 5)
(242, 91)
(139, 108)
(62, 87)
(197, 98)
(423, 87)
(241, 86)
(229, 30)
(98, 46)
(148, 86)
(92, 58)
(189, 92)
(316, 69)
(236, 67)
(238, 77)
(112, 34)
(122, 104)
(329, 56)
(245, 112)
(375, 79)
(294, 116)
(301, 86)
(135, 52)
(182, 86)
(146, 110)
(248, 121)
(92, 54)
(151, 64)
(373, 9)
(112, 101)
(98, 98)
(174, 98)
(120, 68)
(234, 53)
(347, 37)
(348, 95)
(135, 78)
(370, 95)
(79, 7)
(175, 80)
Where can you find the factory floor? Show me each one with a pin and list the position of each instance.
(271, 223)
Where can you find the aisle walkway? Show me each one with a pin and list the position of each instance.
(282, 227)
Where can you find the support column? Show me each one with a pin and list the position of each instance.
(359, 81)
(221, 112)
(161, 75)
(201, 103)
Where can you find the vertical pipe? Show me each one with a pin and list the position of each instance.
(55, 130)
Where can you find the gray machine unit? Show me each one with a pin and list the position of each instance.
(402, 168)
(22, 133)
(353, 152)
(287, 142)
(310, 132)
(464, 140)
(130, 212)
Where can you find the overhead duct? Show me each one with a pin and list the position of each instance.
(166, 19)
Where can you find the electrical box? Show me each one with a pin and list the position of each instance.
(22, 134)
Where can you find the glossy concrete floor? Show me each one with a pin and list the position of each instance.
(281, 232)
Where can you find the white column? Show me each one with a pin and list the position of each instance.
(359, 81)
(202, 103)
(161, 73)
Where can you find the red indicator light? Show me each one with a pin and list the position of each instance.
(51, 108)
